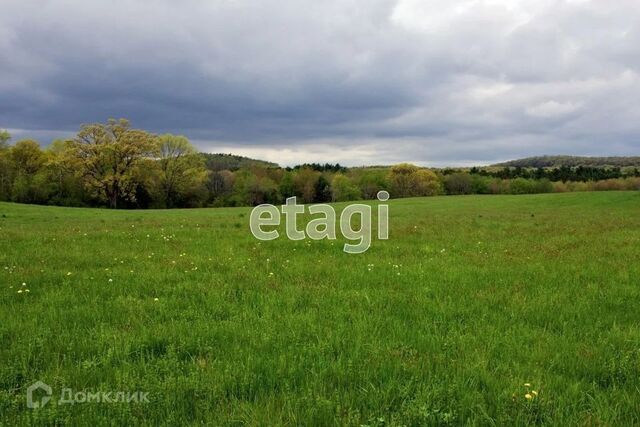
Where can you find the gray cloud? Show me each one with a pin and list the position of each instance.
(358, 81)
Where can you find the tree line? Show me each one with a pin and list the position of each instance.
(563, 173)
(114, 165)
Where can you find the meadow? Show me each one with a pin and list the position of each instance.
(478, 310)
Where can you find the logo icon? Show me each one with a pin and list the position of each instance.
(33, 388)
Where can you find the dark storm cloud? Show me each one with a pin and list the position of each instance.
(430, 81)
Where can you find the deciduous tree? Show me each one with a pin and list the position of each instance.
(182, 169)
(4, 139)
(110, 154)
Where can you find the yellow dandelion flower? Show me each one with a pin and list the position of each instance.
(527, 385)
(528, 396)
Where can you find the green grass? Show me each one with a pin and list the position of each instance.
(444, 323)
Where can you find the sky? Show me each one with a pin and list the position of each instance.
(359, 82)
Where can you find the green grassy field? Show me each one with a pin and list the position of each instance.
(444, 323)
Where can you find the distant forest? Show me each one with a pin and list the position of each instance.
(114, 165)
(570, 161)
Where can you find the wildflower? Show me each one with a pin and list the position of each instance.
(24, 284)
(156, 299)
(528, 396)
(20, 291)
(26, 290)
(110, 280)
(527, 385)
(69, 274)
(535, 393)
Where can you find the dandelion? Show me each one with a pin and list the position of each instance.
(69, 274)
(24, 284)
(20, 291)
(527, 385)
(110, 280)
(156, 299)
(26, 290)
(528, 396)
(535, 393)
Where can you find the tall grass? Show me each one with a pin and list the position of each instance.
(471, 298)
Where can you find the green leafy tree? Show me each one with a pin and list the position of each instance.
(342, 189)
(220, 186)
(305, 181)
(253, 189)
(287, 187)
(5, 136)
(66, 187)
(5, 166)
(458, 183)
(426, 183)
(27, 159)
(407, 180)
(5, 175)
(110, 155)
(182, 171)
(370, 181)
(322, 190)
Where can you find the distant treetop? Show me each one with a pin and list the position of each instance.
(570, 161)
(232, 162)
